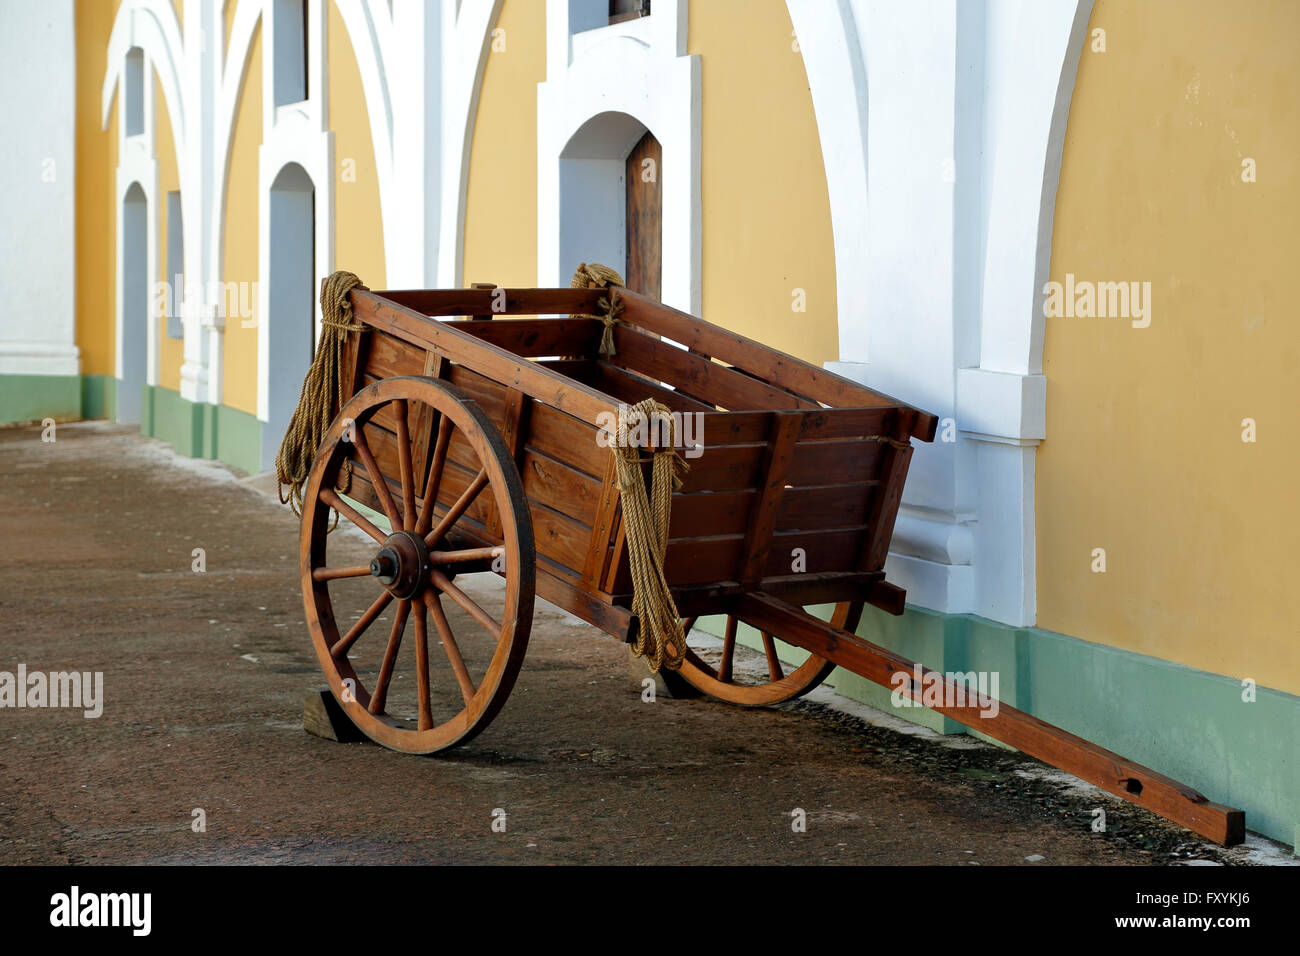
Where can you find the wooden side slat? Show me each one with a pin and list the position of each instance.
(704, 379)
(763, 518)
(801, 377)
(435, 302)
(537, 337)
(602, 528)
(837, 462)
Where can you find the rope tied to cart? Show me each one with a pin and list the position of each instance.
(593, 275)
(660, 639)
(320, 393)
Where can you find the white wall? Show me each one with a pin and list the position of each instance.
(37, 155)
(942, 124)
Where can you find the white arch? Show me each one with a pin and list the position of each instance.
(658, 87)
(151, 25)
(827, 34)
(942, 173)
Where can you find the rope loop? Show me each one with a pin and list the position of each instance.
(593, 275)
(321, 390)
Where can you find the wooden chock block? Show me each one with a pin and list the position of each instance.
(323, 717)
(667, 683)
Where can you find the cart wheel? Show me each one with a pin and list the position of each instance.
(715, 673)
(406, 575)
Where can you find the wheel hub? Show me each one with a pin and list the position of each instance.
(402, 564)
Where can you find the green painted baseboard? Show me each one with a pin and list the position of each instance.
(98, 396)
(1188, 724)
(34, 398)
(200, 430)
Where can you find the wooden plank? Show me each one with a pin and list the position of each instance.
(602, 527)
(801, 377)
(432, 302)
(839, 462)
(537, 337)
(831, 549)
(1109, 771)
(826, 506)
(632, 388)
(493, 299)
(763, 518)
(732, 428)
(389, 357)
(513, 430)
(722, 386)
(884, 508)
(724, 468)
(711, 513)
(556, 485)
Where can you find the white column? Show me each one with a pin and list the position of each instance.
(37, 248)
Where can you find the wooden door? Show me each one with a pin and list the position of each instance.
(644, 217)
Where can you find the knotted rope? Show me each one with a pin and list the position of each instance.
(592, 275)
(320, 392)
(645, 516)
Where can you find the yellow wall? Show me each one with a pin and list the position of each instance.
(171, 352)
(501, 199)
(358, 224)
(766, 211)
(96, 215)
(239, 367)
(1144, 455)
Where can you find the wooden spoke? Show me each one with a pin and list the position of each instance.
(347, 640)
(331, 498)
(456, 510)
(469, 554)
(443, 583)
(379, 698)
(435, 476)
(422, 666)
(773, 662)
(728, 650)
(404, 464)
(376, 478)
(330, 574)
(467, 689)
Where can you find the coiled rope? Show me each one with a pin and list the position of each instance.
(645, 517)
(320, 393)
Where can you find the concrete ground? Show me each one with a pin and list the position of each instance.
(205, 675)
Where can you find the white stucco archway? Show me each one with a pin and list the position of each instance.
(583, 118)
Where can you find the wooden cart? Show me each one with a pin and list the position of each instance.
(479, 437)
